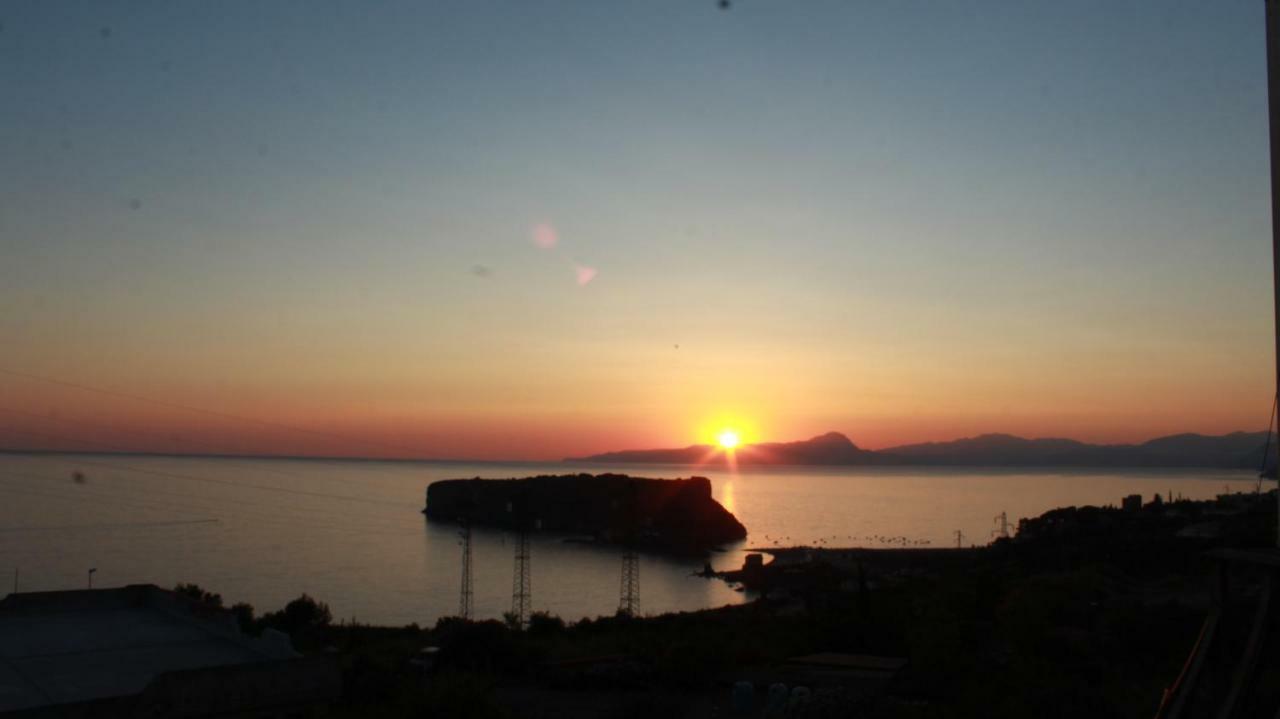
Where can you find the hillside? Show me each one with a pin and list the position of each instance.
(1237, 450)
(831, 448)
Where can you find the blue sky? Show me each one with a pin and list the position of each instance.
(902, 220)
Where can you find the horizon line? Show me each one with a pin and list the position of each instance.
(562, 460)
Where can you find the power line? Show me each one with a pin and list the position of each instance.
(80, 494)
(207, 412)
(261, 462)
(113, 448)
(1266, 449)
(211, 480)
(121, 525)
(45, 483)
(77, 459)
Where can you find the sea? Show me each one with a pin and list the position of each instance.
(351, 533)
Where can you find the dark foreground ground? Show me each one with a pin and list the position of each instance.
(1086, 612)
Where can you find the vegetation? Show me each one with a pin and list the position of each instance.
(1090, 614)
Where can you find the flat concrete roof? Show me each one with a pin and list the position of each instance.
(69, 647)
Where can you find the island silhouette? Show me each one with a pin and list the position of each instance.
(1237, 450)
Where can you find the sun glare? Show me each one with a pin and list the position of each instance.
(728, 439)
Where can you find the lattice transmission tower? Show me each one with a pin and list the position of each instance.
(629, 601)
(464, 595)
(629, 594)
(521, 584)
(1002, 525)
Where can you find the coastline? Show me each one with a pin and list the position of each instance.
(1097, 603)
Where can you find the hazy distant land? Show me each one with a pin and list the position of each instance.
(1237, 450)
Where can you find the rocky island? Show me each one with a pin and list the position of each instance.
(670, 515)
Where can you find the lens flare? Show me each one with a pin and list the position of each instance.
(545, 236)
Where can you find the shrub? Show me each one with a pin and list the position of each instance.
(196, 592)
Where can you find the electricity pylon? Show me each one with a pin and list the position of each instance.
(629, 596)
(521, 591)
(464, 596)
(1002, 525)
(629, 602)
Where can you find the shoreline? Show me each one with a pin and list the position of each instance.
(607, 466)
(1102, 603)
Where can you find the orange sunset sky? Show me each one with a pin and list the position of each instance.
(378, 235)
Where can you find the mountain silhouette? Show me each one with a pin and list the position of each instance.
(831, 448)
(1237, 450)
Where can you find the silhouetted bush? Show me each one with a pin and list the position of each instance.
(302, 619)
(198, 593)
(544, 624)
(243, 613)
(487, 646)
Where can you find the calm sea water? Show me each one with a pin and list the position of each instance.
(351, 533)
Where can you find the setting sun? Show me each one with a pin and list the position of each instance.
(728, 439)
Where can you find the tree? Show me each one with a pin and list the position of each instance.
(198, 593)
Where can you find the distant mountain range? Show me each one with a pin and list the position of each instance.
(1238, 450)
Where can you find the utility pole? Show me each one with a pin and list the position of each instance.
(959, 539)
(91, 571)
(521, 592)
(1273, 106)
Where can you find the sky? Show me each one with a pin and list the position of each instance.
(529, 230)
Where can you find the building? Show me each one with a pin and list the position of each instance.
(143, 651)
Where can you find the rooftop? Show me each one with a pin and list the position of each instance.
(80, 646)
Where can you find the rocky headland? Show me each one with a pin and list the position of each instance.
(670, 515)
